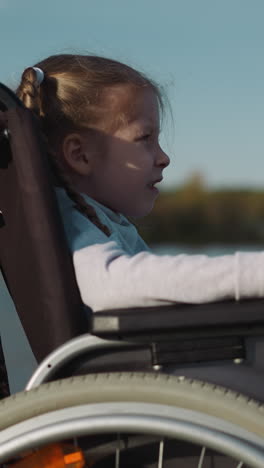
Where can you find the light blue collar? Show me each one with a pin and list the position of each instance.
(114, 216)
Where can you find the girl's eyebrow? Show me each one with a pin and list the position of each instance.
(145, 123)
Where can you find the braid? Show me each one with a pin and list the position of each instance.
(29, 93)
(80, 204)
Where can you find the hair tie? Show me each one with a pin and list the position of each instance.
(39, 75)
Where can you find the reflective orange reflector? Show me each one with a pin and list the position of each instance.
(73, 458)
(53, 456)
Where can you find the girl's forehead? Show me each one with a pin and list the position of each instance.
(128, 104)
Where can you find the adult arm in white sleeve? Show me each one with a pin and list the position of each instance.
(108, 278)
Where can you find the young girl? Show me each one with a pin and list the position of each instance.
(101, 120)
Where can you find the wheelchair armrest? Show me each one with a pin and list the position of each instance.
(247, 315)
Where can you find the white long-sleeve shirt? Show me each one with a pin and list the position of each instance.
(120, 271)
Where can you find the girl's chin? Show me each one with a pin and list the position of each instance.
(154, 190)
(141, 213)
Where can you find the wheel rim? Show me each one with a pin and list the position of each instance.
(112, 418)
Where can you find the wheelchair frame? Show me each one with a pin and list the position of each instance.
(222, 344)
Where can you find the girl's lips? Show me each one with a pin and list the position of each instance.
(153, 187)
(152, 184)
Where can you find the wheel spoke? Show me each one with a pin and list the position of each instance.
(201, 459)
(117, 454)
(161, 450)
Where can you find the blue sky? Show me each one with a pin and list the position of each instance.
(207, 54)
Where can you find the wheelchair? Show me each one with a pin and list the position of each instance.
(171, 386)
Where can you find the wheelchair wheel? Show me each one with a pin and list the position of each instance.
(196, 424)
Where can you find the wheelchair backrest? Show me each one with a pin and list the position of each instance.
(34, 258)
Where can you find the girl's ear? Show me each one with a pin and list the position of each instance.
(76, 154)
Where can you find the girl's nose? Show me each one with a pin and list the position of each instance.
(162, 159)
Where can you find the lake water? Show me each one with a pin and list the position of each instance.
(19, 358)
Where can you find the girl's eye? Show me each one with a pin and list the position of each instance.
(144, 137)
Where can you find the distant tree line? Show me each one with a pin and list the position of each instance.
(193, 214)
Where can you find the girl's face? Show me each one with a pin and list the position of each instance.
(125, 175)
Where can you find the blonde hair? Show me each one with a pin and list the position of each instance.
(70, 98)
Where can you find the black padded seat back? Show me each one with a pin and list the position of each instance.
(34, 256)
(4, 384)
